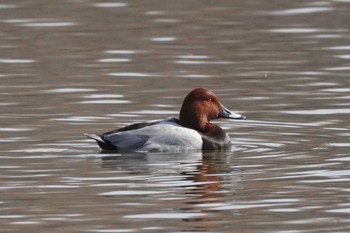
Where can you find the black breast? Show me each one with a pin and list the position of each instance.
(218, 139)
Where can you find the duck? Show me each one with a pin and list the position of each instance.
(193, 130)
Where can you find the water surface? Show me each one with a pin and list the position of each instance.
(71, 67)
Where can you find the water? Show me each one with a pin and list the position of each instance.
(71, 67)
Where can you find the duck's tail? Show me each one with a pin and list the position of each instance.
(105, 145)
(95, 137)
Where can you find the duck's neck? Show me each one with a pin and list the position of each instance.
(207, 129)
(193, 124)
(193, 120)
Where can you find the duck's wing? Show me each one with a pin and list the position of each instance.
(161, 135)
(125, 141)
(119, 141)
(112, 141)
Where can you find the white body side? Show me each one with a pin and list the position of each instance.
(166, 136)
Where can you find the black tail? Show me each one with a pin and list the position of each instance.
(105, 145)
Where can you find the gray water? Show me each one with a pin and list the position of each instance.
(71, 67)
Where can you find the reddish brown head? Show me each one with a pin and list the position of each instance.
(200, 107)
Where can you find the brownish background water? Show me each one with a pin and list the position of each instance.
(70, 67)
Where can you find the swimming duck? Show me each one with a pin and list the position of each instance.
(191, 131)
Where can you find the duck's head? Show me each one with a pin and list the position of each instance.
(201, 106)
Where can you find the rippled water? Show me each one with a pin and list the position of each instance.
(71, 67)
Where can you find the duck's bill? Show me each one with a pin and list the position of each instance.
(225, 113)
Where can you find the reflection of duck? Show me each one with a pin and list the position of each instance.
(209, 179)
(192, 130)
(214, 181)
(186, 185)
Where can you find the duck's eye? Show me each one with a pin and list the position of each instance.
(209, 99)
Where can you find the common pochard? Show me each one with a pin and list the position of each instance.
(192, 131)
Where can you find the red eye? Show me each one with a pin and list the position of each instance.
(209, 99)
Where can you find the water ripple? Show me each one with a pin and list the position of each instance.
(116, 60)
(296, 30)
(181, 215)
(40, 22)
(69, 90)
(7, 6)
(122, 52)
(16, 61)
(319, 111)
(49, 24)
(130, 74)
(163, 39)
(131, 192)
(107, 101)
(110, 4)
(303, 10)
